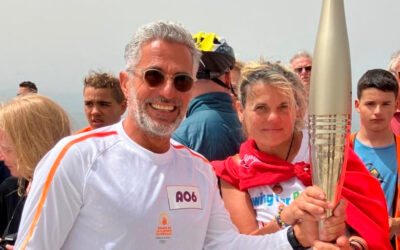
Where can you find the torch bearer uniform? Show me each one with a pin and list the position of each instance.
(101, 190)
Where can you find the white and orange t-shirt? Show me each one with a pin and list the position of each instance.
(101, 190)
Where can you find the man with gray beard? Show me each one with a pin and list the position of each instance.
(129, 186)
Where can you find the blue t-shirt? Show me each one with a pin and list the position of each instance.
(382, 164)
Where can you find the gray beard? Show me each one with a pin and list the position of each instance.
(147, 124)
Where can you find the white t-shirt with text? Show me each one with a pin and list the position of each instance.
(108, 192)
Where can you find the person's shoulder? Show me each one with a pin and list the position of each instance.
(196, 163)
(193, 159)
(186, 152)
(86, 129)
(76, 153)
(212, 119)
(103, 132)
(362, 144)
(188, 132)
(94, 140)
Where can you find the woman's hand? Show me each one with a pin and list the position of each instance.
(335, 225)
(309, 206)
(394, 226)
(342, 243)
(8, 247)
(333, 229)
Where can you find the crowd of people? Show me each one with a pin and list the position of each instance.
(213, 153)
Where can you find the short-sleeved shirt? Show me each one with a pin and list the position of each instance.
(267, 199)
(382, 164)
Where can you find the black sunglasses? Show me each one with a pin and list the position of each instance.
(154, 77)
(299, 70)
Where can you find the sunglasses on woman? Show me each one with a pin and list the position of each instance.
(154, 77)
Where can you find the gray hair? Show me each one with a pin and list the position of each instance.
(168, 31)
(394, 61)
(301, 53)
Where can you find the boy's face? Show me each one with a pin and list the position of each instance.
(376, 109)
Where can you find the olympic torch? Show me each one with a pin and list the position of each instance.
(330, 101)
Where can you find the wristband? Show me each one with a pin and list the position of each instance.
(356, 244)
(293, 240)
(278, 218)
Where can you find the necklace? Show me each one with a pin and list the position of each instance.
(290, 147)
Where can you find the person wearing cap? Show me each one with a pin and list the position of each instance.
(212, 127)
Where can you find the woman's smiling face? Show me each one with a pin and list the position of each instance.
(269, 115)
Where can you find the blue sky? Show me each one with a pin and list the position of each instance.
(55, 43)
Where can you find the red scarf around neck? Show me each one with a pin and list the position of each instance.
(258, 168)
(366, 210)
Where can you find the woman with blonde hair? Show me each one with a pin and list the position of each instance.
(267, 186)
(30, 126)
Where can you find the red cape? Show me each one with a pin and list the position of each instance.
(366, 210)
